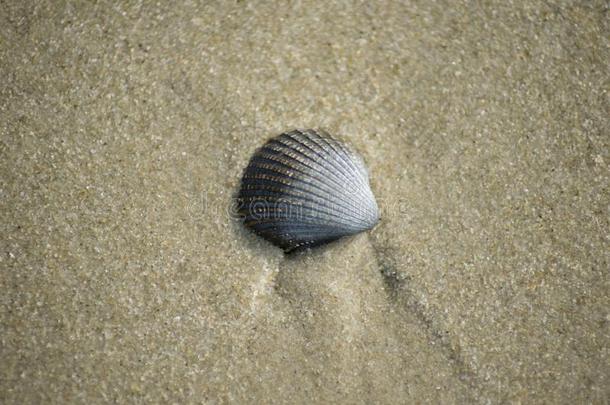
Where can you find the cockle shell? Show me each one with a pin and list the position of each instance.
(304, 188)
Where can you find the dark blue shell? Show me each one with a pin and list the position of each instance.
(304, 188)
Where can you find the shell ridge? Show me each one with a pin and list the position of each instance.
(322, 153)
(305, 211)
(348, 194)
(354, 160)
(315, 169)
(265, 226)
(316, 179)
(275, 185)
(305, 217)
(345, 179)
(357, 172)
(254, 221)
(340, 182)
(351, 157)
(304, 188)
(346, 158)
(353, 175)
(287, 204)
(298, 136)
(361, 184)
(301, 238)
(316, 182)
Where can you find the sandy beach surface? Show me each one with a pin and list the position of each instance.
(125, 127)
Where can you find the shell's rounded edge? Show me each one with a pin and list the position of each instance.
(304, 188)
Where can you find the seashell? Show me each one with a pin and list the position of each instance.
(304, 188)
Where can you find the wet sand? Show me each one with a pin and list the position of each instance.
(123, 132)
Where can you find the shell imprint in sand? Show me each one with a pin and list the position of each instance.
(304, 188)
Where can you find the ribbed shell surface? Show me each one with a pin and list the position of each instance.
(304, 188)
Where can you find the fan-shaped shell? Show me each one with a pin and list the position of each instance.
(304, 188)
